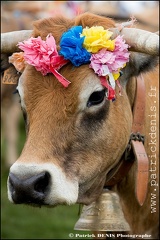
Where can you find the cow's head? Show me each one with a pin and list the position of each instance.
(75, 135)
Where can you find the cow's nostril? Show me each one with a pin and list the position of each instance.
(29, 190)
(42, 182)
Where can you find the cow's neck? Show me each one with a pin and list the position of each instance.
(135, 149)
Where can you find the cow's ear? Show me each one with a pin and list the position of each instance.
(138, 63)
(9, 74)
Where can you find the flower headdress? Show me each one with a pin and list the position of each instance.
(91, 46)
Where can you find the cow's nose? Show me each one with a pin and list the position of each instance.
(29, 190)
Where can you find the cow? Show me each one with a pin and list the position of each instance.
(76, 136)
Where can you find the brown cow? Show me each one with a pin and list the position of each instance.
(75, 136)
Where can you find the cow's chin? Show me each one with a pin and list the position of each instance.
(91, 192)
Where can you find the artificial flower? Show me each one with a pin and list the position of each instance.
(72, 49)
(17, 59)
(110, 61)
(80, 46)
(101, 61)
(97, 38)
(43, 56)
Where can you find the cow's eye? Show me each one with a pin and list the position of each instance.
(96, 98)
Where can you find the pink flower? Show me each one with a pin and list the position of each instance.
(105, 62)
(40, 54)
(43, 56)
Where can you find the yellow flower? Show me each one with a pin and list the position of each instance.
(97, 38)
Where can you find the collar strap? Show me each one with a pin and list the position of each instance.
(135, 149)
(137, 146)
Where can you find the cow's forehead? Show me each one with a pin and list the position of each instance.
(90, 85)
(33, 85)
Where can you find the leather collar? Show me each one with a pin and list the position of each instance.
(135, 151)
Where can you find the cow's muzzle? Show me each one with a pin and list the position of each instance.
(29, 190)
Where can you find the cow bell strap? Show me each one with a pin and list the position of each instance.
(138, 145)
(135, 149)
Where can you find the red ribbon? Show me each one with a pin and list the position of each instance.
(111, 91)
(59, 62)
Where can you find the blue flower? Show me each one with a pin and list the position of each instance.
(72, 49)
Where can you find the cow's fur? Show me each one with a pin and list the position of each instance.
(85, 143)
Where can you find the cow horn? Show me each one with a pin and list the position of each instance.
(139, 40)
(9, 40)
